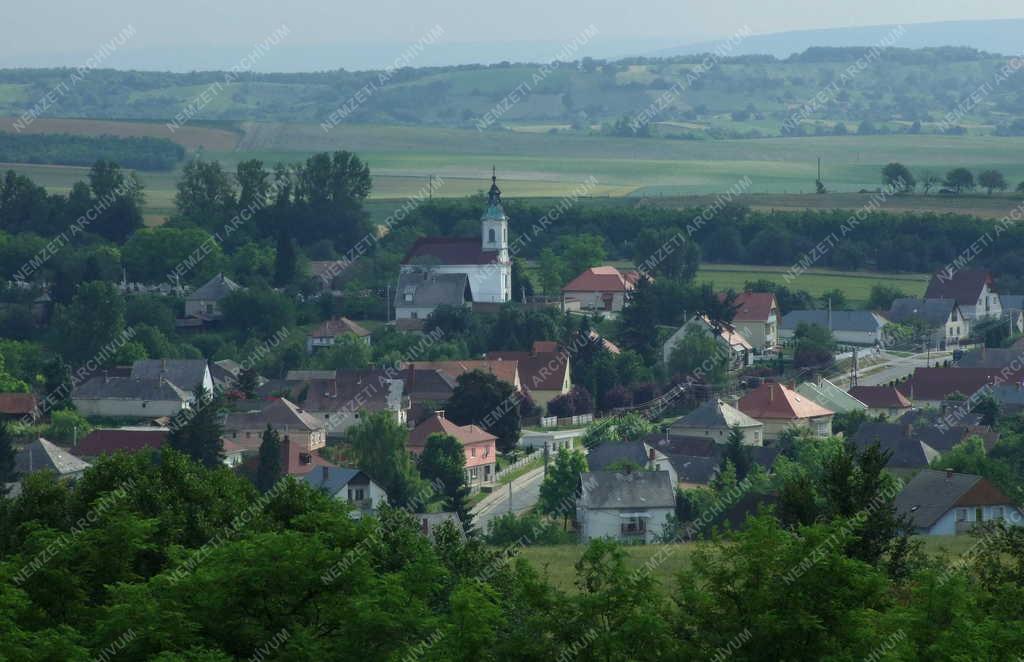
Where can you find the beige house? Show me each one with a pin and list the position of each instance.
(601, 288)
(544, 371)
(757, 319)
(781, 408)
(329, 331)
(714, 420)
(246, 428)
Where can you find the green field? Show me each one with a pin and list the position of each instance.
(532, 164)
(855, 285)
(557, 562)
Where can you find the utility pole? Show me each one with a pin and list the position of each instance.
(853, 369)
(510, 496)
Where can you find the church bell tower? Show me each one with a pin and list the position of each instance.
(494, 222)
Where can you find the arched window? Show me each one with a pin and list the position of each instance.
(490, 236)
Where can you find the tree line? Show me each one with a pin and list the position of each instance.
(143, 153)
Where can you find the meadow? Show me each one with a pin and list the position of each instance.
(557, 562)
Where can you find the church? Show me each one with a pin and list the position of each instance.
(458, 270)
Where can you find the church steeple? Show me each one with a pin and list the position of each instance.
(494, 195)
(494, 223)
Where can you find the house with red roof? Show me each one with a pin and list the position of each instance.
(18, 405)
(932, 387)
(544, 371)
(970, 288)
(479, 445)
(483, 260)
(885, 400)
(330, 330)
(246, 428)
(781, 408)
(757, 319)
(601, 288)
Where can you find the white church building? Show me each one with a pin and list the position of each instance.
(484, 261)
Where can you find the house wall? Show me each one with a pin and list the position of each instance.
(488, 282)
(606, 523)
(595, 300)
(752, 436)
(207, 307)
(759, 334)
(375, 494)
(316, 342)
(946, 525)
(988, 305)
(117, 408)
(250, 439)
(338, 422)
(773, 427)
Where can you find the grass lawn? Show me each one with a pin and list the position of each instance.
(557, 562)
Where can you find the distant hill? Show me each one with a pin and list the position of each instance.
(994, 36)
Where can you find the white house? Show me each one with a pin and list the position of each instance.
(485, 261)
(854, 327)
(970, 288)
(740, 349)
(628, 506)
(945, 503)
(349, 485)
(942, 316)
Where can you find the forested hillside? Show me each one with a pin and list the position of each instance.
(746, 96)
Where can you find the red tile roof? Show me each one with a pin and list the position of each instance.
(296, 462)
(437, 424)
(601, 279)
(17, 404)
(964, 286)
(939, 383)
(112, 440)
(754, 306)
(506, 371)
(542, 369)
(771, 400)
(334, 328)
(880, 397)
(449, 250)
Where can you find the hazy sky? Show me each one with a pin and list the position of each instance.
(187, 33)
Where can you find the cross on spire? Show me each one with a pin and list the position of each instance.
(494, 195)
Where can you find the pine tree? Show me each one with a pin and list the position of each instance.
(737, 452)
(639, 320)
(286, 261)
(269, 470)
(8, 473)
(248, 382)
(197, 431)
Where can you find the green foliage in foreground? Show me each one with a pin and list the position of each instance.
(154, 557)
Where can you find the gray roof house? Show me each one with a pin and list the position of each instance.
(204, 301)
(350, 485)
(183, 373)
(627, 506)
(420, 292)
(949, 503)
(943, 316)
(42, 455)
(636, 454)
(715, 419)
(120, 397)
(856, 327)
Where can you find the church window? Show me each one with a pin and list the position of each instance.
(490, 236)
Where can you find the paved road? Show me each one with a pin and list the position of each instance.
(895, 367)
(525, 492)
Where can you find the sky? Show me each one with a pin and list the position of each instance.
(327, 34)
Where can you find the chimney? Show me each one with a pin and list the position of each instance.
(650, 458)
(324, 473)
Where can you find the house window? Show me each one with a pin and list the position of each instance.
(632, 526)
(961, 514)
(979, 515)
(472, 452)
(359, 494)
(997, 512)
(414, 315)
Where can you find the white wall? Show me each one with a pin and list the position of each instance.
(606, 524)
(946, 525)
(129, 408)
